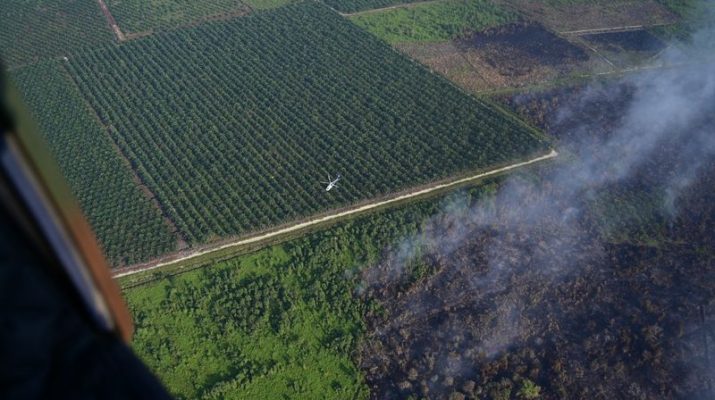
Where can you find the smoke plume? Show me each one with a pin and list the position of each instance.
(659, 141)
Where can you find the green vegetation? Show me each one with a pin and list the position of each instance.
(529, 390)
(284, 321)
(145, 15)
(689, 8)
(267, 4)
(694, 14)
(630, 215)
(351, 6)
(434, 22)
(32, 30)
(129, 229)
(233, 124)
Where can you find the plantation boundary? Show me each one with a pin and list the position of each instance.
(121, 272)
(377, 10)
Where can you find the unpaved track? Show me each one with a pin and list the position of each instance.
(615, 29)
(335, 216)
(111, 21)
(395, 7)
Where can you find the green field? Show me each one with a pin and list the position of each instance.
(32, 30)
(434, 22)
(128, 227)
(284, 321)
(279, 322)
(134, 16)
(233, 125)
(350, 6)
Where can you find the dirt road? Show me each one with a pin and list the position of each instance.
(377, 10)
(335, 216)
(111, 21)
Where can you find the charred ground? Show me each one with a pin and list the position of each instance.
(639, 40)
(561, 298)
(517, 48)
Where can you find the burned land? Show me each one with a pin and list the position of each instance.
(519, 47)
(639, 40)
(529, 293)
(563, 16)
(512, 55)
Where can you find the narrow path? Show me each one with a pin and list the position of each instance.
(601, 56)
(615, 29)
(111, 21)
(396, 6)
(337, 215)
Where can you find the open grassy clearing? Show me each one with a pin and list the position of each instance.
(128, 227)
(433, 22)
(32, 30)
(234, 124)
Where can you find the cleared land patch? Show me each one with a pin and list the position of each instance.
(33, 30)
(510, 55)
(234, 124)
(625, 49)
(639, 40)
(433, 22)
(570, 15)
(515, 49)
(128, 227)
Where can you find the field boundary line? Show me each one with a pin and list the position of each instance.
(395, 7)
(614, 29)
(111, 21)
(334, 216)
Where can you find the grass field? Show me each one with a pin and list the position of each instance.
(32, 30)
(234, 124)
(128, 227)
(433, 22)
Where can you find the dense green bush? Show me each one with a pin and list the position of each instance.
(284, 321)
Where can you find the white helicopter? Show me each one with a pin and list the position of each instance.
(331, 183)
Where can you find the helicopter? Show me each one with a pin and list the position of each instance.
(332, 183)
